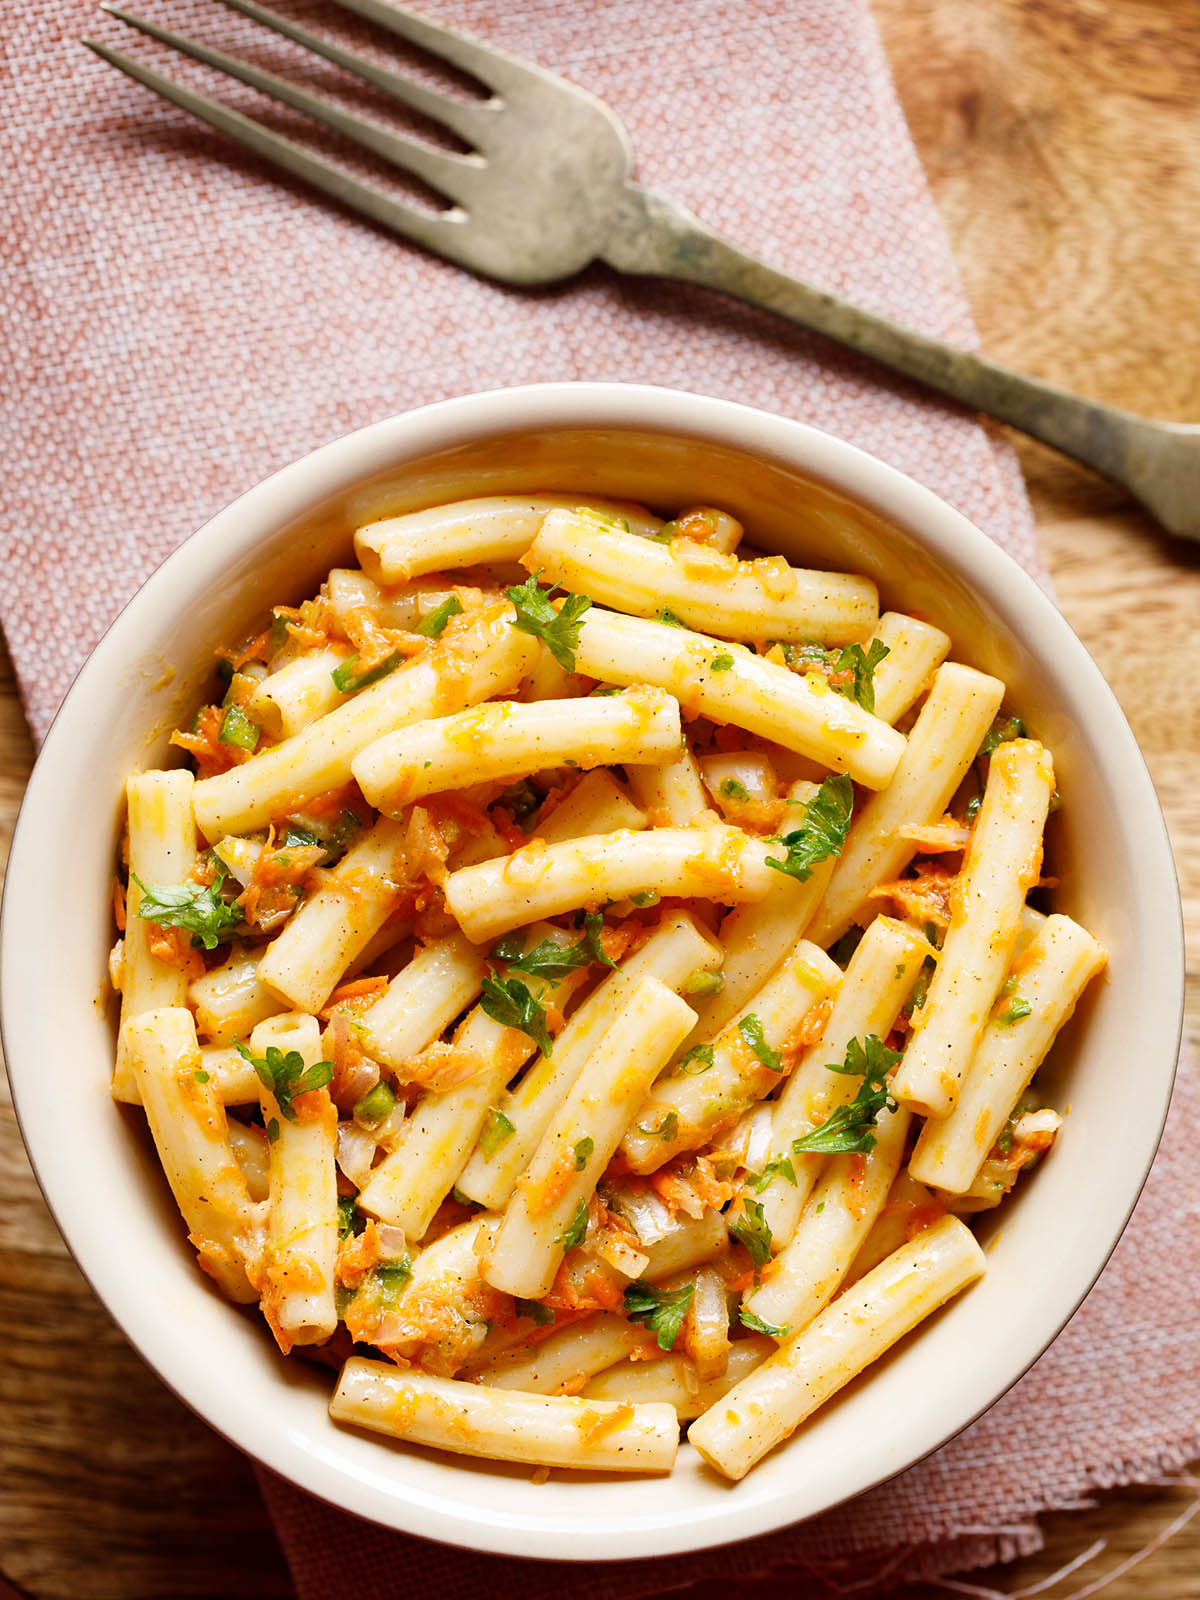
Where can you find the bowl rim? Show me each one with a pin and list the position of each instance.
(284, 496)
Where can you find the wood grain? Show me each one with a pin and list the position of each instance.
(1060, 137)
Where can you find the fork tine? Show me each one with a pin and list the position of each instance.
(495, 68)
(468, 120)
(450, 174)
(436, 232)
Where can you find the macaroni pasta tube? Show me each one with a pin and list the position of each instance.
(703, 587)
(839, 1216)
(441, 980)
(915, 651)
(191, 1135)
(1047, 981)
(941, 746)
(541, 1430)
(762, 1410)
(483, 657)
(162, 850)
(730, 685)
(673, 952)
(879, 979)
(302, 966)
(683, 1112)
(673, 1380)
(597, 804)
(302, 1214)
(1002, 864)
(539, 880)
(469, 532)
(505, 739)
(550, 1203)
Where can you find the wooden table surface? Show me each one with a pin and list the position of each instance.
(1060, 137)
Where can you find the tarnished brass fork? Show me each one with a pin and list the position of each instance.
(546, 187)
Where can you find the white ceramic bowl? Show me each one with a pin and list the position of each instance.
(814, 499)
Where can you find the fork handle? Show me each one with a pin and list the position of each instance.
(661, 239)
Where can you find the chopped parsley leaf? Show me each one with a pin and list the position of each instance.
(576, 1230)
(669, 617)
(198, 909)
(854, 672)
(721, 663)
(667, 1128)
(821, 834)
(378, 1103)
(849, 1128)
(558, 630)
(285, 1076)
(752, 1229)
(496, 1130)
(582, 1153)
(777, 1167)
(534, 1310)
(702, 1053)
(660, 1310)
(733, 790)
(757, 1325)
(508, 1001)
(751, 1030)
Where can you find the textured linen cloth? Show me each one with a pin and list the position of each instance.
(179, 323)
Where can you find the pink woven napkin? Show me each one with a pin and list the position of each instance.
(181, 324)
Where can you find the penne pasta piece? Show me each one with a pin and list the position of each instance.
(684, 1111)
(422, 999)
(878, 980)
(909, 1208)
(676, 950)
(757, 935)
(541, 1430)
(840, 1213)
(1002, 863)
(476, 658)
(728, 684)
(299, 692)
(769, 1405)
(302, 1215)
(702, 586)
(550, 1202)
(672, 1379)
(229, 1000)
(191, 1135)
(563, 1363)
(1047, 980)
(672, 791)
(505, 739)
(162, 850)
(407, 1188)
(942, 744)
(540, 880)
(468, 532)
(916, 650)
(597, 804)
(334, 925)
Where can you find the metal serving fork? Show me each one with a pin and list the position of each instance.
(546, 188)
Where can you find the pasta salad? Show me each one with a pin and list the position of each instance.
(582, 977)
